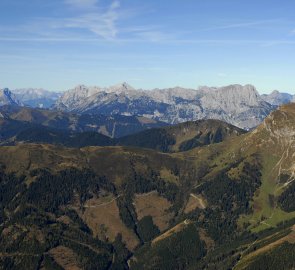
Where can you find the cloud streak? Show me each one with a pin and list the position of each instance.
(85, 4)
(100, 23)
(152, 38)
(250, 24)
(91, 21)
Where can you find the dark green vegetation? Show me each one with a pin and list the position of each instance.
(287, 200)
(29, 125)
(183, 137)
(282, 257)
(224, 194)
(146, 229)
(12, 132)
(46, 135)
(180, 251)
(221, 206)
(31, 226)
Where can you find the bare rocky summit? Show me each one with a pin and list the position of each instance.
(236, 104)
(239, 105)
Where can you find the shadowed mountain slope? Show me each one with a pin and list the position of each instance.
(112, 126)
(183, 137)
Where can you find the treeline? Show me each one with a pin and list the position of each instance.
(181, 250)
(145, 182)
(50, 191)
(31, 213)
(229, 198)
(286, 199)
(279, 258)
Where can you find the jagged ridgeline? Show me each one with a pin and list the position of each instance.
(31, 120)
(27, 125)
(226, 205)
(239, 105)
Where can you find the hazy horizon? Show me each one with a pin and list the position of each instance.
(144, 89)
(59, 44)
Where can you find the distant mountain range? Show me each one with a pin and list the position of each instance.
(22, 118)
(239, 105)
(36, 97)
(26, 125)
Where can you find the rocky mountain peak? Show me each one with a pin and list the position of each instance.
(281, 123)
(233, 98)
(276, 98)
(274, 93)
(8, 98)
(120, 88)
(236, 104)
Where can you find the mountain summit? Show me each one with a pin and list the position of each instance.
(34, 97)
(236, 104)
(8, 98)
(277, 98)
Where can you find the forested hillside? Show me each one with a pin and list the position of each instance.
(222, 206)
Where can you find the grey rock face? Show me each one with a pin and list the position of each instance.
(239, 105)
(36, 97)
(276, 98)
(8, 98)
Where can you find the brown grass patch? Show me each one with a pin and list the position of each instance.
(194, 202)
(168, 176)
(104, 220)
(152, 204)
(208, 241)
(179, 227)
(65, 257)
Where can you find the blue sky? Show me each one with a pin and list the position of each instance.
(58, 44)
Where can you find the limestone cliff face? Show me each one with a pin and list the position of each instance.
(276, 98)
(236, 104)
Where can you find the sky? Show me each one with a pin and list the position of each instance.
(59, 44)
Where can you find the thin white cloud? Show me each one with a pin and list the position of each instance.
(100, 22)
(97, 23)
(91, 21)
(249, 24)
(151, 38)
(106, 23)
(81, 3)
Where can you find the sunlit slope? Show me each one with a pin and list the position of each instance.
(273, 142)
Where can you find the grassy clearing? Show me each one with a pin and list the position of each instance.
(266, 215)
(104, 220)
(65, 257)
(152, 204)
(169, 176)
(261, 205)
